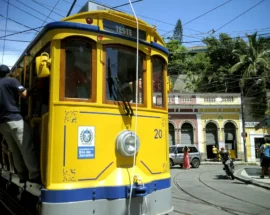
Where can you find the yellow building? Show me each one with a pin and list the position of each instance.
(208, 120)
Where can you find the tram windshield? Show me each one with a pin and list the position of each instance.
(121, 64)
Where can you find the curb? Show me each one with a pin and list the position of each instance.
(235, 163)
(246, 180)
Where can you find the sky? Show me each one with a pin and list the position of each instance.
(212, 15)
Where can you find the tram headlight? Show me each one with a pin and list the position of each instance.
(125, 143)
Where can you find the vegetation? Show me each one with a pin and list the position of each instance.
(226, 66)
(178, 32)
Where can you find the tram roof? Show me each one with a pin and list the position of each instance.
(110, 13)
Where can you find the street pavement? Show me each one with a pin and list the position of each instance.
(207, 190)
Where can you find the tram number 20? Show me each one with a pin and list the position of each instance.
(158, 134)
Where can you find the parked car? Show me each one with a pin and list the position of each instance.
(177, 155)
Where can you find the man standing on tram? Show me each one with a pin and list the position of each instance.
(15, 131)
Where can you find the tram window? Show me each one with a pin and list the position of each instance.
(158, 81)
(78, 69)
(122, 65)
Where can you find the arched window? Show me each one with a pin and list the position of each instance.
(187, 134)
(78, 65)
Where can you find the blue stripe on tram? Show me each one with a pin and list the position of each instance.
(96, 193)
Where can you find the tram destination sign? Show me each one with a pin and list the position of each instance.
(122, 29)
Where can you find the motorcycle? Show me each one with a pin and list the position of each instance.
(228, 166)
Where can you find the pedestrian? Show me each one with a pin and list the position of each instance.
(214, 150)
(16, 132)
(186, 164)
(265, 156)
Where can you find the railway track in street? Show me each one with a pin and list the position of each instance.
(198, 200)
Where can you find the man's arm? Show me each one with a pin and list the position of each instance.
(261, 148)
(17, 87)
(23, 94)
(27, 92)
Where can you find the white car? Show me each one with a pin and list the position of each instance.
(177, 155)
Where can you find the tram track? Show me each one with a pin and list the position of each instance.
(245, 201)
(205, 202)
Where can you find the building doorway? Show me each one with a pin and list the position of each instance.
(230, 137)
(171, 134)
(211, 134)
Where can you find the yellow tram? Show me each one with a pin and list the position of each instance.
(85, 120)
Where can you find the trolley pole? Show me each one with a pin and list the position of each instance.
(243, 122)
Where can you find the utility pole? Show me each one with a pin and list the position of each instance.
(244, 134)
(243, 122)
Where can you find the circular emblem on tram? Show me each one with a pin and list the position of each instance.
(86, 136)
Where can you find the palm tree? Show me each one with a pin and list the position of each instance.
(254, 61)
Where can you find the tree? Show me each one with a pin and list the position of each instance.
(195, 68)
(214, 75)
(178, 32)
(253, 62)
(176, 57)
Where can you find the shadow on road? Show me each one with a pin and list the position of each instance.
(174, 167)
(221, 177)
(238, 182)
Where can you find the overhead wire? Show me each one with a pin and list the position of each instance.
(22, 41)
(239, 15)
(77, 5)
(48, 7)
(31, 29)
(3, 54)
(200, 36)
(16, 22)
(23, 10)
(231, 38)
(49, 13)
(147, 17)
(136, 107)
(201, 15)
(34, 9)
(219, 83)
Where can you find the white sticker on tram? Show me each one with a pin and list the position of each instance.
(86, 142)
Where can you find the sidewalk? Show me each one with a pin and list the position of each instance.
(251, 175)
(235, 163)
